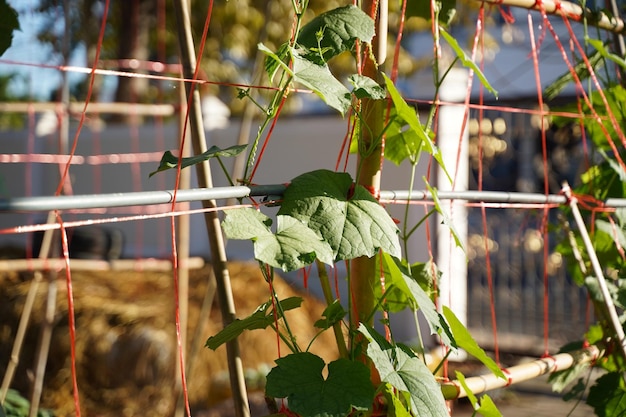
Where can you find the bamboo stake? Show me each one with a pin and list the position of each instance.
(597, 269)
(362, 270)
(516, 374)
(214, 230)
(565, 8)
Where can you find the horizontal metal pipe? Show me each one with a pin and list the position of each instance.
(91, 201)
(274, 191)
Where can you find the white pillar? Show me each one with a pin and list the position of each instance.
(453, 143)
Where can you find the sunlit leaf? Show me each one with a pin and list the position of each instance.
(292, 247)
(347, 216)
(466, 342)
(318, 78)
(444, 215)
(334, 32)
(466, 61)
(169, 161)
(406, 292)
(483, 406)
(406, 372)
(365, 87)
(262, 318)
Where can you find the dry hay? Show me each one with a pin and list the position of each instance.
(125, 343)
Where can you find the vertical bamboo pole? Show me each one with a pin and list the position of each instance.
(362, 271)
(214, 230)
(183, 237)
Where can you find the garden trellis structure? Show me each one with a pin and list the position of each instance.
(272, 194)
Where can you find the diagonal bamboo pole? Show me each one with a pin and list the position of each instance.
(516, 374)
(214, 230)
(597, 269)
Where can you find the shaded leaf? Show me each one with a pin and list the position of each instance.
(348, 217)
(466, 61)
(8, 24)
(406, 372)
(465, 341)
(292, 247)
(333, 313)
(447, 10)
(581, 71)
(608, 395)
(169, 161)
(262, 318)
(334, 32)
(298, 377)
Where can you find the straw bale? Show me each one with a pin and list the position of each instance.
(126, 339)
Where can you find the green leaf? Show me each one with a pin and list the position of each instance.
(8, 24)
(334, 32)
(169, 161)
(466, 61)
(348, 217)
(397, 407)
(600, 47)
(444, 216)
(416, 141)
(365, 87)
(608, 395)
(447, 10)
(298, 377)
(581, 71)
(262, 318)
(405, 291)
(406, 372)
(292, 247)
(332, 314)
(466, 342)
(318, 78)
(485, 406)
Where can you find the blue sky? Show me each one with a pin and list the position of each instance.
(36, 82)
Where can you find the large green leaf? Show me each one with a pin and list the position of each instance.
(8, 24)
(466, 61)
(465, 341)
(407, 373)
(169, 161)
(298, 377)
(292, 247)
(348, 217)
(262, 318)
(334, 32)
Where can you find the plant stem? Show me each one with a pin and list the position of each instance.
(328, 295)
